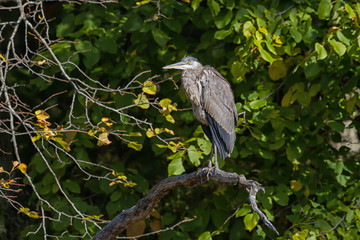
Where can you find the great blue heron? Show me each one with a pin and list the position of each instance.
(212, 102)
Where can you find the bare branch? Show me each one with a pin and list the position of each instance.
(145, 205)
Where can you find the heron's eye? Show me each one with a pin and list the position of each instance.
(188, 62)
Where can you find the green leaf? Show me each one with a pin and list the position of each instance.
(176, 167)
(214, 7)
(243, 211)
(195, 4)
(173, 24)
(277, 70)
(251, 220)
(160, 37)
(336, 125)
(205, 145)
(314, 89)
(91, 54)
(320, 51)
(257, 104)
(194, 155)
(221, 34)
(324, 9)
(134, 23)
(66, 26)
(205, 236)
(339, 48)
(312, 68)
(293, 153)
(295, 34)
(342, 38)
(107, 44)
(303, 98)
(248, 29)
(72, 186)
(223, 19)
(265, 55)
(350, 11)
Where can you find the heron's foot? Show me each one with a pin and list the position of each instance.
(208, 172)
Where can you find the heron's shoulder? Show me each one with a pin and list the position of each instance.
(212, 73)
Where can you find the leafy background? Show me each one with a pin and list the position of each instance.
(294, 69)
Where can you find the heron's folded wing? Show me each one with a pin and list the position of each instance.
(218, 103)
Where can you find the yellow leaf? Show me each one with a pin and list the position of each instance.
(6, 185)
(149, 87)
(150, 133)
(142, 101)
(15, 163)
(169, 118)
(2, 169)
(41, 62)
(165, 102)
(91, 132)
(130, 184)
(106, 121)
(296, 185)
(135, 145)
(135, 134)
(25, 210)
(277, 40)
(103, 139)
(2, 57)
(41, 115)
(64, 144)
(22, 167)
(169, 131)
(277, 70)
(33, 214)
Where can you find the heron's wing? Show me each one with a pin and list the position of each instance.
(218, 103)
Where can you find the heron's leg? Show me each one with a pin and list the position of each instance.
(215, 155)
(211, 155)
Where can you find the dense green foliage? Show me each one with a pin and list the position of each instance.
(294, 68)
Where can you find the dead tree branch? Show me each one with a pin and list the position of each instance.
(145, 205)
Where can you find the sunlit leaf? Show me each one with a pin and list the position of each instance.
(135, 145)
(205, 236)
(22, 167)
(339, 48)
(320, 51)
(149, 88)
(194, 155)
(41, 115)
(176, 167)
(64, 144)
(142, 101)
(324, 9)
(251, 220)
(103, 139)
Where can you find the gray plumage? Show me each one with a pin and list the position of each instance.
(212, 102)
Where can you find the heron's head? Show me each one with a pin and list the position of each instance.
(187, 62)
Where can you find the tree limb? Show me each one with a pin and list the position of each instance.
(145, 205)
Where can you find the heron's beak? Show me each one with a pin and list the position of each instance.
(179, 65)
